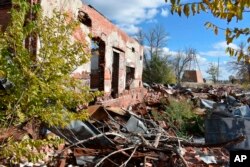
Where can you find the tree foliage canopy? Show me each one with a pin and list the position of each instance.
(43, 88)
(213, 71)
(158, 71)
(157, 67)
(222, 9)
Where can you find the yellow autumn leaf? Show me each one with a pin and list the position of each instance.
(215, 30)
(240, 56)
(202, 7)
(193, 8)
(208, 24)
(229, 40)
(229, 5)
(179, 10)
(186, 10)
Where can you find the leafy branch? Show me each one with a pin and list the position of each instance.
(225, 10)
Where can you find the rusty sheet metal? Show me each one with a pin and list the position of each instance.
(116, 110)
(97, 112)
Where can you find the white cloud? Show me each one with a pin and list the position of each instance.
(214, 53)
(223, 73)
(164, 12)
(154, 21)
(223, 45)
(225, 62)
(167, 51)
(130, 29)
(201, 60)
(219, 49)
(151, 13)
(127, 13)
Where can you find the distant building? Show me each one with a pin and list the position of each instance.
(192, 76)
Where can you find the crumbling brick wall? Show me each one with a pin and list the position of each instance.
(130, 51)
(99, 27)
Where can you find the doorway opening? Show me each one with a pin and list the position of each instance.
(97, 64)
(115, 74)
(130, 76)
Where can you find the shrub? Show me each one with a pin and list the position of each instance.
(43, 88)
(180, 117)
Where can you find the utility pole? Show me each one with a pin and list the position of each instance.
(218, 66)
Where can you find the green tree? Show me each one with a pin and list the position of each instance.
(43, 88)
(231, 79)
(156, 65)
(213, 71)
(158, 71)
(221, 9)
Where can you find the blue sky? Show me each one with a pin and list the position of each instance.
(133, 15)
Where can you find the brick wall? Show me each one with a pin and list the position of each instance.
(192, 76)
(128, 98)
(111, 37)
(94, 79)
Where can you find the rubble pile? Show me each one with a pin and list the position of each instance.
(131, 137)
(119, 137)
(116, 136)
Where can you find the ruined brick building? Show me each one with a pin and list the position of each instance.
(117, 60)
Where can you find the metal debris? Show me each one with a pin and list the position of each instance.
(132, 137)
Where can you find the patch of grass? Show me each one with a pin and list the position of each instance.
(245, 86)
(180, 117)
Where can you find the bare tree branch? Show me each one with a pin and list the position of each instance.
(157, 140)
(242, 67)
(95, 137)
(115, 152)
(181, 62)
(125, 163)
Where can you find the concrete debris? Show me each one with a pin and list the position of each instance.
(135, 125)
